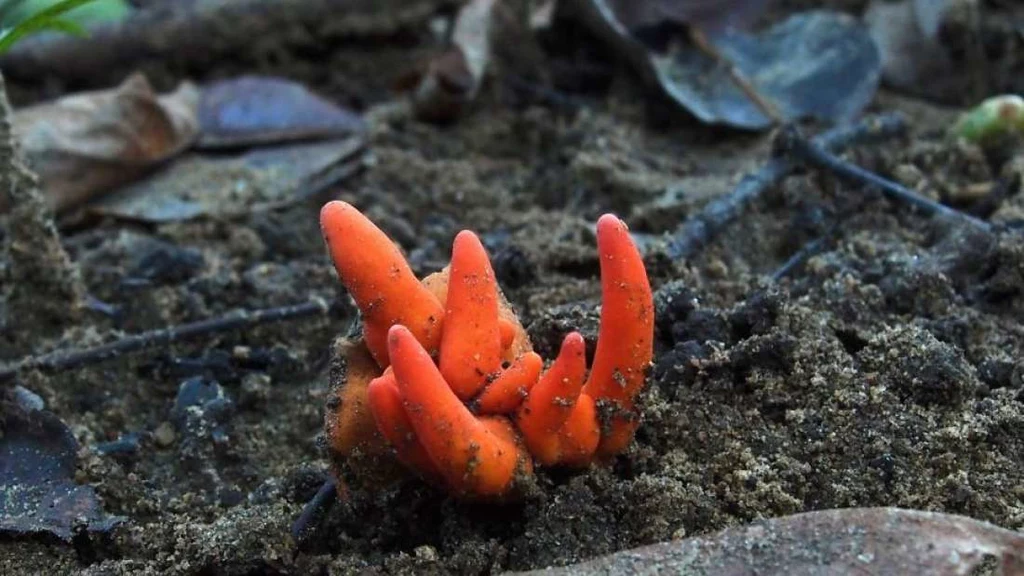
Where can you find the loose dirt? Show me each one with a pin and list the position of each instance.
(883, 371)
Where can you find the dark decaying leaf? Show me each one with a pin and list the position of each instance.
(851, 541)
(217, 185)
(87, 144)
(818, 64)
(37, 489)
(254, 110)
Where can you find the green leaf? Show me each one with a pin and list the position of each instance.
(66, 26)
(54, 10)
(89, 13)
(49, 18)
(9, 10)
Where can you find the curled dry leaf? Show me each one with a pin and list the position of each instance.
(487, 36)
(851, 541)
(453, 78)
(88, 144)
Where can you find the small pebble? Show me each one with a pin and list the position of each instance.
(162, 262)
(195, 391)
(164, 434)
(28, 399)
(255, 390)
(426, 553)
(717, 269)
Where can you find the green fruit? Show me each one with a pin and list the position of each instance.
(994, 118)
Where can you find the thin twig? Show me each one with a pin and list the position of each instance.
(799, 257)
(795, 145)
(313, 512)
(763, 103)
(60, 360)
(819, 244)
(702, 228)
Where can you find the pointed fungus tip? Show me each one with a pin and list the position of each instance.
(610, 222)
(396, 334)
(573, 342)
(333, 214)
(467, 236)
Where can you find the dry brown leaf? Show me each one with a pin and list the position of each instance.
(454, 77)
(851, 541)
(87, 144)
(488, 37)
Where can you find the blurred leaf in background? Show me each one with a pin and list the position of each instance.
(19, 18)
(709, 15)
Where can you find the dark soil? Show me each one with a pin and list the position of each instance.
(886, 370)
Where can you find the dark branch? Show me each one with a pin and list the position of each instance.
(60, 360)
(794, 145)
(699, 230)
(797, 260)
(313, 513)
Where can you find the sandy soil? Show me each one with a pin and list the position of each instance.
(884, 371)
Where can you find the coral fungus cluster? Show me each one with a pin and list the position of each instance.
(444, 375)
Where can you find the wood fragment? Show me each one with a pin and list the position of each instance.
(197, 33)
